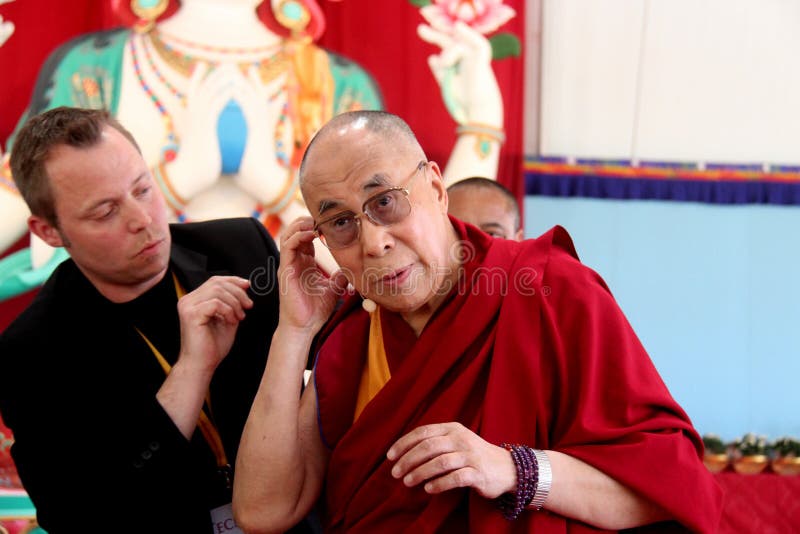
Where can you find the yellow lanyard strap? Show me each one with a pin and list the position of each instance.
(207, 428)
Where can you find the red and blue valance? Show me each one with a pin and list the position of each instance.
(655, 180)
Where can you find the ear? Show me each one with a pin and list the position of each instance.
(520, 235)
(45, 231)
(437, 181)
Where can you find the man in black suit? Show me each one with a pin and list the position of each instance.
(128, 380)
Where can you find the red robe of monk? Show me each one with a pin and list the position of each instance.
(530, 348)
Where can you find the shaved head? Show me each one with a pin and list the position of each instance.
(390, 128)
(486, 204)
(367, 160)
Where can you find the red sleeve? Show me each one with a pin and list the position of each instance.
(612, 409)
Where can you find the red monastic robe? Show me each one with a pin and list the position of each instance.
(530, 348)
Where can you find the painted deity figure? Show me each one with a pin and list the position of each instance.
(222, 112)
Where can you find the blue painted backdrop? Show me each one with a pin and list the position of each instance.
(713, 293)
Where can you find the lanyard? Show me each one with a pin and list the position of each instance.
(207, 428)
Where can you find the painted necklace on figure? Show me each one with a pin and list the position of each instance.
(269, 69)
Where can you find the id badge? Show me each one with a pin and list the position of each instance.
(222, 520)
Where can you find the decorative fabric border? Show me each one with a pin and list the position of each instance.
(715, 183)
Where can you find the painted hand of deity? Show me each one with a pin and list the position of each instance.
(265, 171)
(198, 164)
(464, 72)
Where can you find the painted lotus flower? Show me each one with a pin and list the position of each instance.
(484, 16)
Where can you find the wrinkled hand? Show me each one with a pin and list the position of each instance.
(464, 73)
(307, 295)
(198, 164)
(209, 318)
(447, 456)
(261, 174)
(322, 255)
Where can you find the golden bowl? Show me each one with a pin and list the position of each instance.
(786, 466)
(750, 465)
(716, 462)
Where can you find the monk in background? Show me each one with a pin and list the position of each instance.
(487, 204)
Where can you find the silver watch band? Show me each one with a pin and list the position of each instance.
(544, 482)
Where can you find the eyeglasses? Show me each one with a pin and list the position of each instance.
(388, 207)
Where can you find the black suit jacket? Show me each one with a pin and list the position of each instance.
(93, 447)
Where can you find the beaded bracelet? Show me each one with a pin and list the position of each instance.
(526, 463)
(484, 134)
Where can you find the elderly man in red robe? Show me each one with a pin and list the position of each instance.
(468, 384)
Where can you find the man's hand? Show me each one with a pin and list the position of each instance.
(449, 455)
(209, 318)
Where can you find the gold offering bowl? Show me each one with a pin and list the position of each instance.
(751, 465)
(786, 466)
(716, 462)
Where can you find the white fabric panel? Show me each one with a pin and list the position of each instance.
(721, 81)
(532, 98)
(681, 80)
(590, 54)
